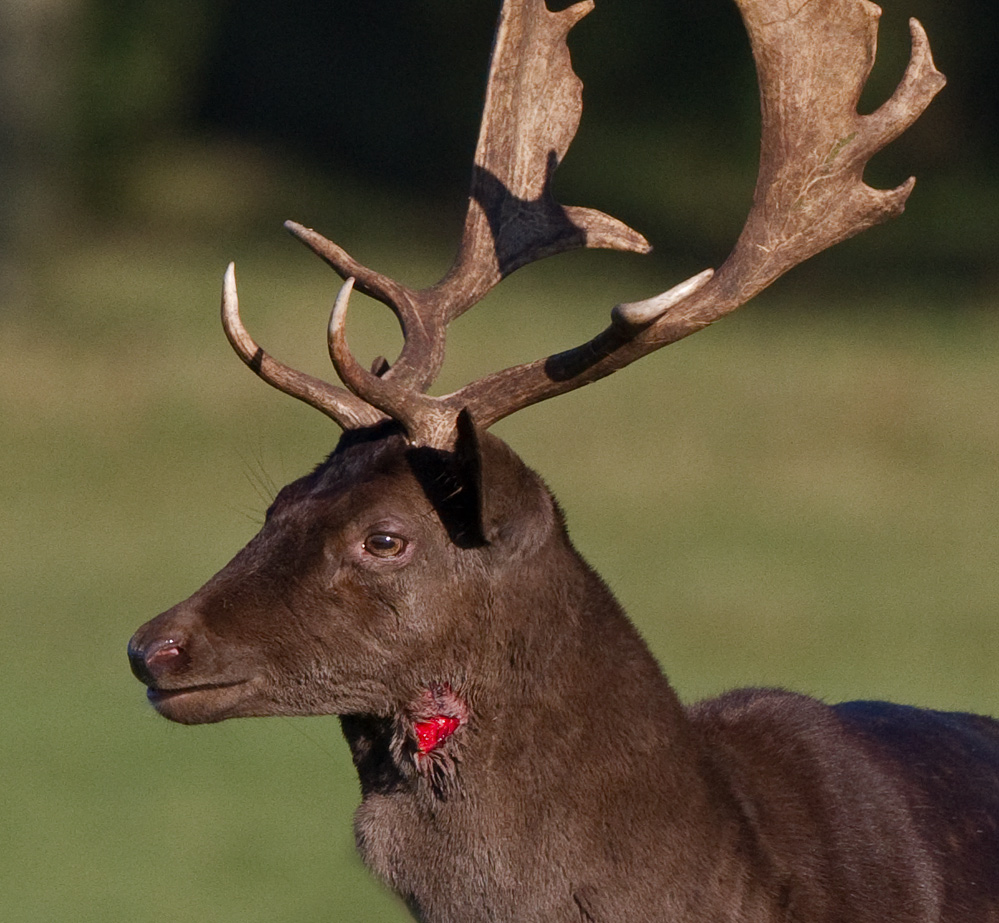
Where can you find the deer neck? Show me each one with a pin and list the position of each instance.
(588, 694)
(544, 752)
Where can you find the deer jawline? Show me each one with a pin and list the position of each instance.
(205, 703)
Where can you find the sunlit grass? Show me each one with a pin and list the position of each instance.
(804, 495)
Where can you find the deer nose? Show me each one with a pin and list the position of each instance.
(157, 659)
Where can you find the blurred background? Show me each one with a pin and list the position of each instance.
(804, 495)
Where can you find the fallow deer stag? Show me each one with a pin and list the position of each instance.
(420, 583)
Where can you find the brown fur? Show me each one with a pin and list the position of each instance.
(576, 787)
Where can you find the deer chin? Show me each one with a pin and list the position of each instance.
(205, 703)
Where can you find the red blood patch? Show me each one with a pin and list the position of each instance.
(432, 733)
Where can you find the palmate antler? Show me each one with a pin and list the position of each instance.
(813, 60)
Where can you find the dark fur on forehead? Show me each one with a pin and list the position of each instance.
(348, 448)
(359, 453)
(451, 480)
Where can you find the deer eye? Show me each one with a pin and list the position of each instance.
(384, 545)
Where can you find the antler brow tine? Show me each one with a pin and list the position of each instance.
(341, 406)
(418, 414)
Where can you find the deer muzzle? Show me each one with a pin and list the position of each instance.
(185, 680)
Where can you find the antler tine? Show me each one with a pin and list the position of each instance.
(423, 352)
(812, 63)
(532, 111)
(340, 405)
(423, 420)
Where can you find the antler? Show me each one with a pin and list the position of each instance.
(342, 406)
(813, 60)
(532, 110)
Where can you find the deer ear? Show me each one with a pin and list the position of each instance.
(466, 462)
(452, 481)
(482, 492)
(500, 501)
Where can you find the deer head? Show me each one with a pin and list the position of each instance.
(416, 559)
(370, 582)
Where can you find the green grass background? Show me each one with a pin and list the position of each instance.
(804, 495)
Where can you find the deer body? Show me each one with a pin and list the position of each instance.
(521, 755)
(573, 785)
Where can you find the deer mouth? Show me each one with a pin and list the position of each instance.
(201, 703)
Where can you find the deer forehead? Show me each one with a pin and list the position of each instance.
(346, 488)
